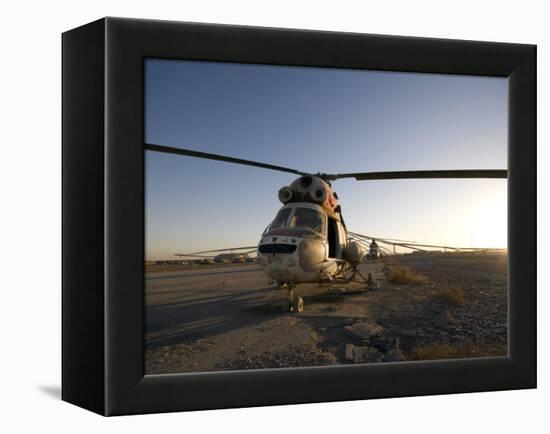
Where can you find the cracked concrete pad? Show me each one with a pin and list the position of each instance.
(365, 330)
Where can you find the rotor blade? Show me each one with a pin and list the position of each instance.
(393, 240)
(217, 250)
(387, 252)
(370, 237)
(410, 245)
(430, 245)
(415, 245)
(196, 256)
(217, 157)
(418, 249)
(422, 174)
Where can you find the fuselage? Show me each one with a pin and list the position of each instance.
(295, 247)
(307, 240)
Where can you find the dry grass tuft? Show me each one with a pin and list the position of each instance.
(446, 351)
(401, 274)
(450, 296)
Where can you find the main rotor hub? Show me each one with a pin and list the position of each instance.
(310, 188)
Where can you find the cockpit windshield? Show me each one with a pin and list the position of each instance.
(302, 218)
(307, 218)
(281, 219)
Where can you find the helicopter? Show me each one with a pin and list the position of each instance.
(374, 250)
(308, 241)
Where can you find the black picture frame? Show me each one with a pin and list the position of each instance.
(103, 223)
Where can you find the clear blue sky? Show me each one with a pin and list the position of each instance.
(328, 120)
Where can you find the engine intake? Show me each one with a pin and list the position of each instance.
(318, 195)
(285, 195)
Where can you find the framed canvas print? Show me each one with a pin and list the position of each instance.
(258, 216)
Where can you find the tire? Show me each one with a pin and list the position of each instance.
(298, 305)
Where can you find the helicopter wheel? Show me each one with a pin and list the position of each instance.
(293, 305)
(298, 304)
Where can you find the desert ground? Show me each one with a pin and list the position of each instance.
(424, 306)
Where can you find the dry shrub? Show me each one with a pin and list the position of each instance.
(401, 274)
(450, 296)
(447, 351)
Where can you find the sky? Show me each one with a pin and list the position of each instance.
(321, 120)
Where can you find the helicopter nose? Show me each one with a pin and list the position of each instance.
(311, 253)
(280, 259)
(282, 269)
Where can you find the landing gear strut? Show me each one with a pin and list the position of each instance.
(293, 303)
(369, 280)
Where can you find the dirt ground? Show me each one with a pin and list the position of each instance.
(212, 318)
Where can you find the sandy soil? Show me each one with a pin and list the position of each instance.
(211, 318)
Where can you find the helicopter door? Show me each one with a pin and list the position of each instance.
(332, 235)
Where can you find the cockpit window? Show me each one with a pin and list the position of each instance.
(308, 218)
(280, 219)
(299, 218)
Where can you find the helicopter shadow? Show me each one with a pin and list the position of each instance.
(198, 319)
(187, 322)
(163, 276)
